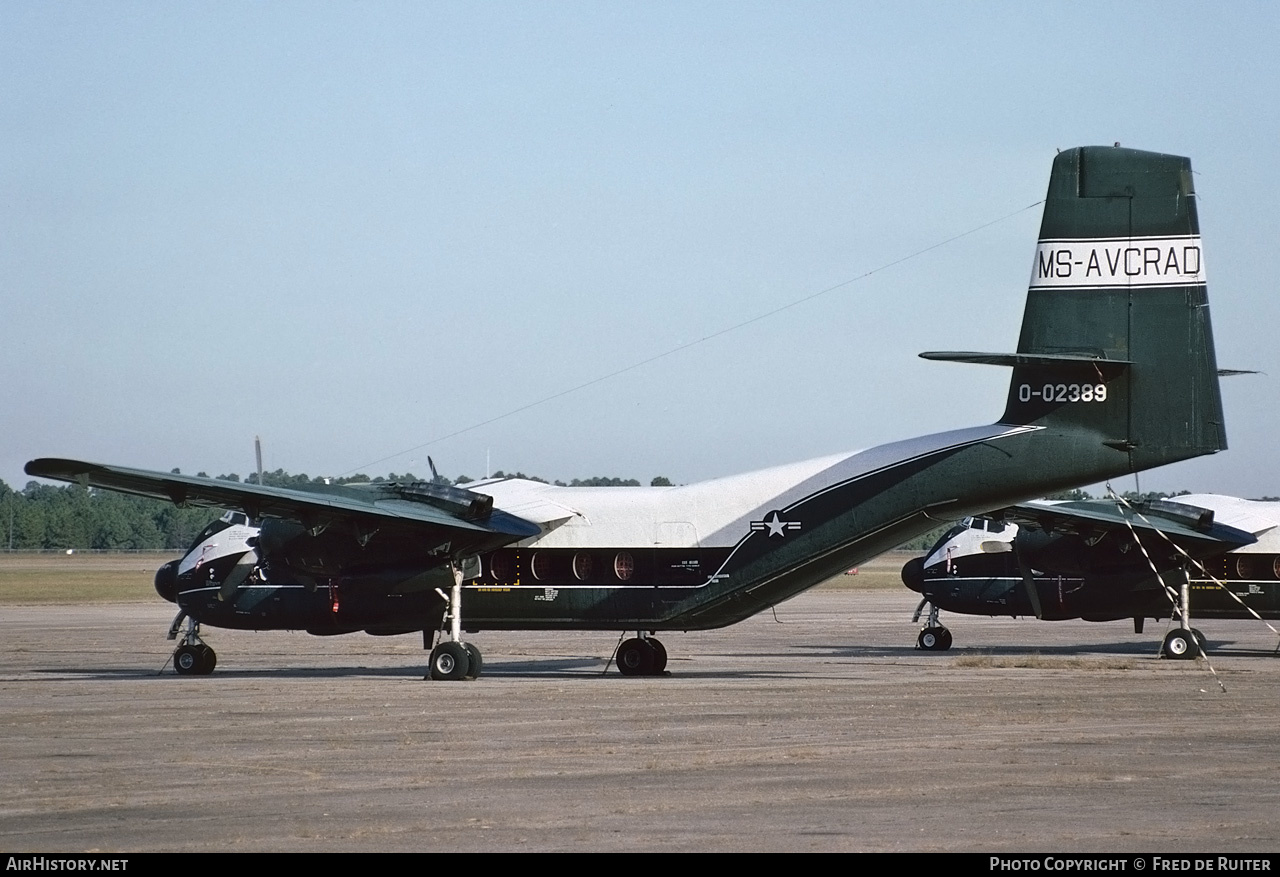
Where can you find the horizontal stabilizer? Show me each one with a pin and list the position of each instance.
(1041, 360)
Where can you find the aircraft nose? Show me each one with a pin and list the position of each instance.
(913, 574)
(167, 581)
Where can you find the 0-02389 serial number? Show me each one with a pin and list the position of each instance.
(1063, 393)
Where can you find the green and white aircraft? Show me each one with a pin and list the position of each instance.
(1114, 373)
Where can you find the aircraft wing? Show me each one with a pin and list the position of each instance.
(463, 517)
(1193, 528)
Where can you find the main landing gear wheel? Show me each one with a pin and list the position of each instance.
(450, 661)
(934, 639)
(477, 661)
(194, 660)
(1180, 644)
(642, 657)
(659, 656)
(635, 658)
(453, 659)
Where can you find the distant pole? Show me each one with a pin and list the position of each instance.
(257, 450)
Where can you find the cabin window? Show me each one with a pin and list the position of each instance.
(1275, 567)
(1246, 568)
(582, 566)
(500, 567)
(624, 566)
(540, 565)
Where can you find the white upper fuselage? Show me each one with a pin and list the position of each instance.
(713, 513)
(709, 514)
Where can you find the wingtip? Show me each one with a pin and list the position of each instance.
(59, 468)
(40, 467)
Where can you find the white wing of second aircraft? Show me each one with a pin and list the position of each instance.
(1258, 517)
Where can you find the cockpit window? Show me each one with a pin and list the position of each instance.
(215, 527)
(951, 534)
(987, 525)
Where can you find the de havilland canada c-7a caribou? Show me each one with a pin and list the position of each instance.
(1205, 555)
(1114, 373)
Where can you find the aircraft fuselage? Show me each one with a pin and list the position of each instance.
(678, 558)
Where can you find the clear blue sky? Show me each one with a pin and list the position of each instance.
(354, 228)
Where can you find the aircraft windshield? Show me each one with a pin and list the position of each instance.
(229, 519)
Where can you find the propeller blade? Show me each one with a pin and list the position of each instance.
(238, 574)
(1029, 582)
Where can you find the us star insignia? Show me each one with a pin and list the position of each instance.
(775, 525)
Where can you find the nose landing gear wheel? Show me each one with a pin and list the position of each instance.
(934, 639)
(194, 660)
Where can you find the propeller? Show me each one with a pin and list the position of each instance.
(1028, 581)
(238, 573)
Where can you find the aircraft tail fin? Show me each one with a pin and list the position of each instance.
(1116, 343)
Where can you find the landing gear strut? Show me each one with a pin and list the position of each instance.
(192, 657)
(1183, 642)
(454, 660)
(642, 656)
(934, 637)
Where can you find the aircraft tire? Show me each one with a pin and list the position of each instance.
(450, 662)
(208, 660)
(476, 661)
(1200, 640)
(188, 660)
(635, 658)
(934, 639)
(1180, 645)
(659, 656)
